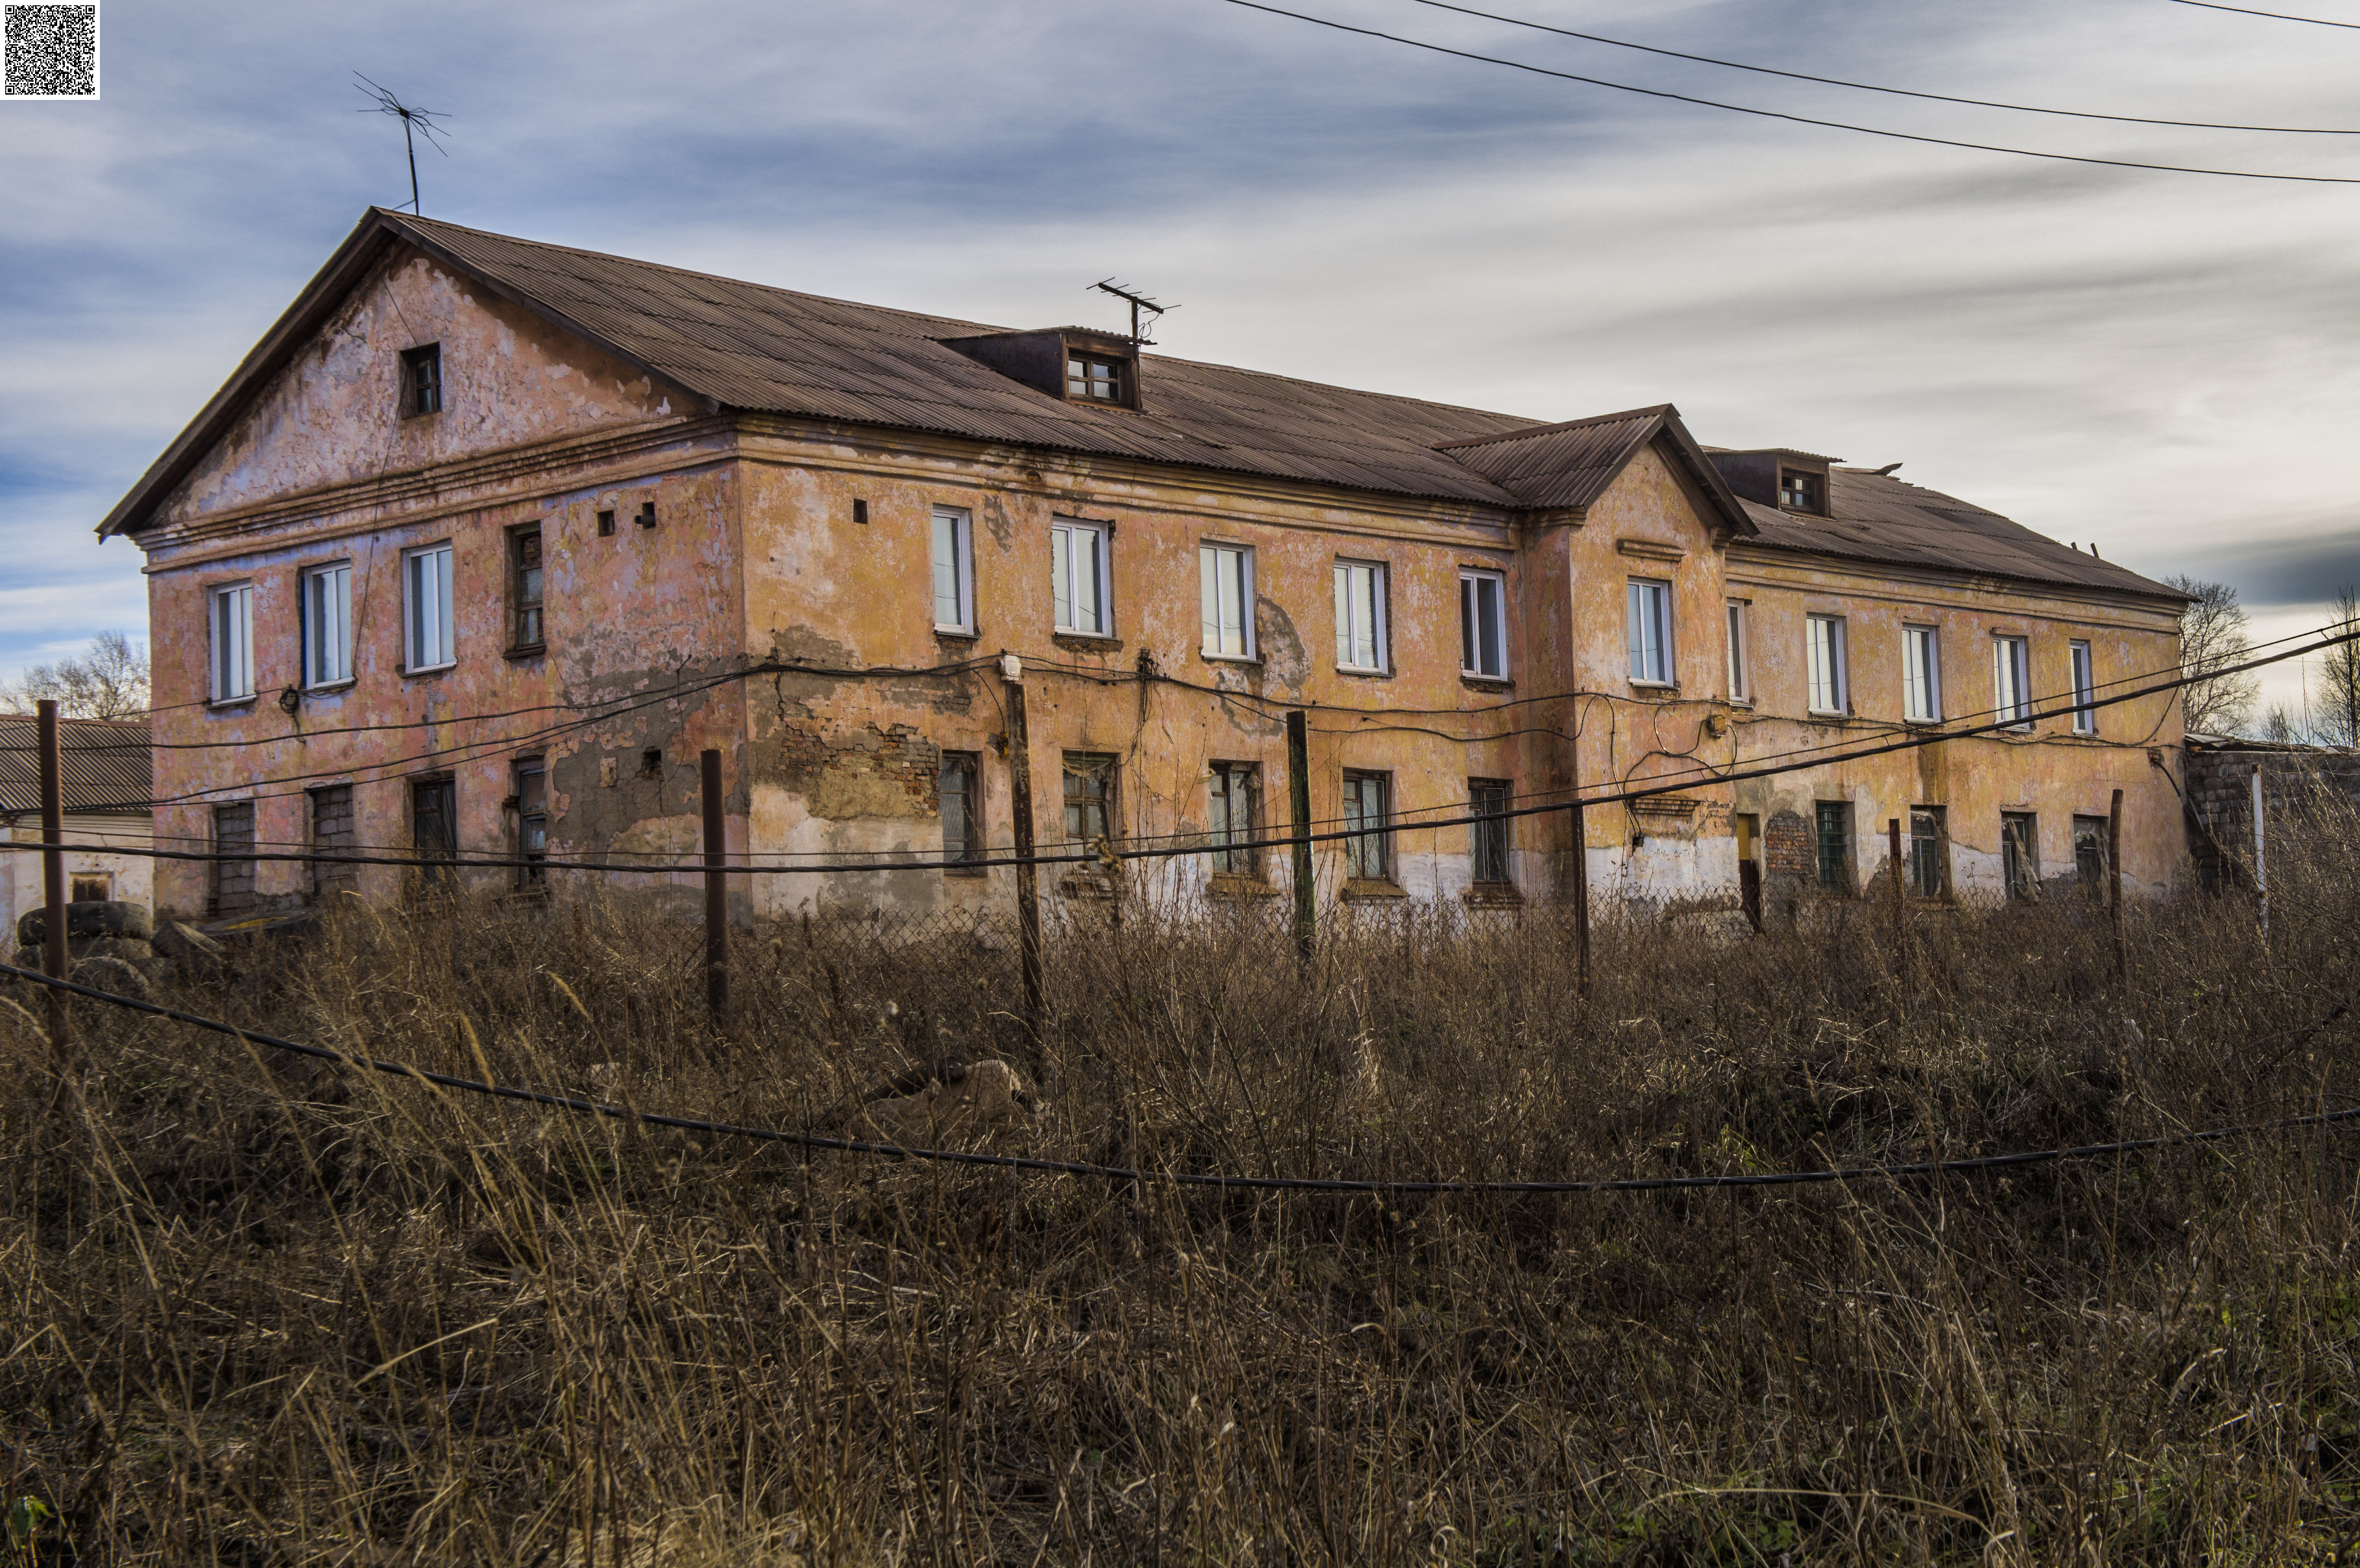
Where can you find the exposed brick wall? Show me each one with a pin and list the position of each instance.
(2220, 786)
(1787, 846)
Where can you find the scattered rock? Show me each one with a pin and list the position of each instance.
(985, 1098)
(91, 917)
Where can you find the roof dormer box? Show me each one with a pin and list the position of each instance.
(1778, 476)
(1075, 364)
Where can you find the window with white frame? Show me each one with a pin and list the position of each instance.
(1650, 628)
(429, 641)
(230, 611)
(954, 572)
(2012, 680)
(1359, 616)
(1824, 661)
(1224, 592)
(328, 624)
(1921, 675)
(1483, 625)
(1741, 658)
(2085, 691)
(1077, 571)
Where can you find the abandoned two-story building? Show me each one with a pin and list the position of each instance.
(487, 539)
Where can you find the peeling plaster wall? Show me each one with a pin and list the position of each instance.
(21, 884)
(756, 555)
(630, 615)
(334, 415)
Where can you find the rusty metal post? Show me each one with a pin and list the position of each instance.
(1298, 808)
(53, 880)
(1900, 893)
(1028, 876)
(717, 893)
(1580, 852)
(2114, 890)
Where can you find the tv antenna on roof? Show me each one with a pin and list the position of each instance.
(420, 120)
(1138, 303)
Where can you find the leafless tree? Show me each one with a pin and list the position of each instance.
(2212, 636)
(110, 681)
(2339, 718)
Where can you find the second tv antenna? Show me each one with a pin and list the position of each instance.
(1138, 303)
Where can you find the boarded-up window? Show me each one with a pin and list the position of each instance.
(233, 889)
(332, 833)
(435, 822)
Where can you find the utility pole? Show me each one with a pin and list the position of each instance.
(717, 893)
(1298, 807)
(53, 881)
(1900, 905)
(1028, 876)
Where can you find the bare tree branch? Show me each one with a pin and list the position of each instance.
(110, 681)
(2211, 634)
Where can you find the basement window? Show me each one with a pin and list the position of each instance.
(1929, 852)
(2019, 838)
(1488, 798)
(1094, 379)
(2090, 856)
(1231, 800)
(232, 892)
(532, 821)
(1368, 811)
(422, 380)
(962, 802)
(1833, 821)
(332, 833)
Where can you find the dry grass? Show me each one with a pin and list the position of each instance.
(259, 1312)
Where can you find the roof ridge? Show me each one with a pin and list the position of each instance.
(1656, 410)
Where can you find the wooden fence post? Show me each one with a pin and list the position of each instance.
(2114, 890)
(1580, 852)
(1028, 876)
(1298, 805)
(53, 882)
(717, 893)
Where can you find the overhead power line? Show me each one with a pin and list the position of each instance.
(1795, 119)
(2273, 16)
(251, 1038)
(1872, 87)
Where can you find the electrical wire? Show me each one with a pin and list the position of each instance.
(2273, 16)
(1795, 119)
(2020, 1158)
(1659, 786)
(1871, 87)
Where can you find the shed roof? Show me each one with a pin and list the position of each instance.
(104, 765)
(1876, 518)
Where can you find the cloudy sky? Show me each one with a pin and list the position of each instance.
(2166, 365)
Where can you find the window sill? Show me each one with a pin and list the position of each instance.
(1639, 685)
(1825, 714)
(220, 704)
(1359, 673)
(1369, 890)
(961, 634)
(1239, 885)
(1086, 642)
(1252, 661)
(428, 670)
(968, 873)
(1492, 896)
(330, 687)
(523, 651)
(1486, 682)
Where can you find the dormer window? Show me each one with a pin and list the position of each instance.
(1094, 380)
(1799, 491)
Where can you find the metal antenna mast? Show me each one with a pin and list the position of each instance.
(420, 120)
(1138, 303)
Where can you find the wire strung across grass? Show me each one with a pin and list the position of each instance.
(1190, 1178)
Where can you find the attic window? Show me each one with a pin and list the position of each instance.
(422, 380)
(1094, 380)
(1801, 491)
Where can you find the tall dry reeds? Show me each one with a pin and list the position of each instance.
(259, 1310)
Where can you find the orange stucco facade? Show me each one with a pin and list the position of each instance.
(803, 550)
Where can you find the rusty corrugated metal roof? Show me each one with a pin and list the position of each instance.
(102, 763)
(745, 345)
(1570, 464)
(1876, 518)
